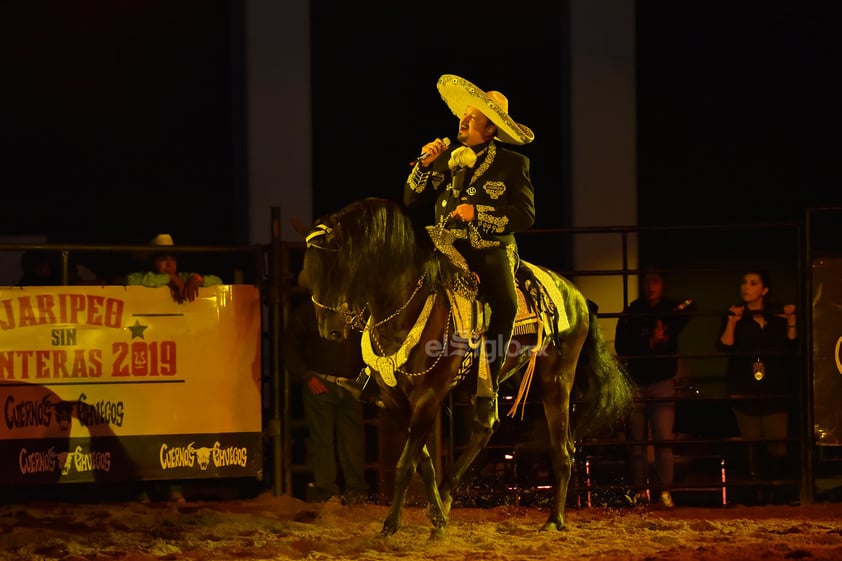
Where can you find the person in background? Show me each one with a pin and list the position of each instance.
(185, 288)
(333, 415)
(762, 338)
(647, 339)
(482, 194)
(183, 285)
(43, 268)
(40, 268)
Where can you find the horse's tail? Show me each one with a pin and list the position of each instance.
(602, 389)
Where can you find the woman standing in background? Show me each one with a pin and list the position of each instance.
(762, 337)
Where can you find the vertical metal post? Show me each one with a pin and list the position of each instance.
(274, 430)
(588, 482)
(805, 335)
(624, 237)
(64, 259)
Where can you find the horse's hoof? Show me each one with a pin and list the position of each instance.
(551, 525)
(436, 534)
(437, 518)
(387, 531)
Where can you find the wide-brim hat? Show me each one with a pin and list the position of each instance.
(162, 239)
(160, 245)
(459, 94)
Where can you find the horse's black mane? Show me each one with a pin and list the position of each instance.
(376, 246)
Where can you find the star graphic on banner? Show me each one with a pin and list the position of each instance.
(137, 329)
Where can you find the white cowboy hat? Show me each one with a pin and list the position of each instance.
(162, 239)
(458, 94)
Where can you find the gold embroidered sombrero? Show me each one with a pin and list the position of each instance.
(458, 94)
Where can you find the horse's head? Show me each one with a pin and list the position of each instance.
(364, 256)
(320, 275)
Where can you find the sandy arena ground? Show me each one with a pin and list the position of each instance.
(281, 527)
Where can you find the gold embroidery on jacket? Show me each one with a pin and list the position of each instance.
(477, 241)
(483, 167)
(418, 179)
(489, 222)
(494, 189)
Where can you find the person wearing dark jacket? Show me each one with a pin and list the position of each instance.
(333, 415)
(647, 340)
(482, 194)
(762, 339)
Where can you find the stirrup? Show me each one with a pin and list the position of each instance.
(363, 389)
(358, 386)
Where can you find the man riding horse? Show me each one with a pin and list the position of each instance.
(482, 195)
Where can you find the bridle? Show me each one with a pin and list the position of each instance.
(356, 318)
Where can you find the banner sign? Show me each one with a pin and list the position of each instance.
(122, 383)
(827, 351)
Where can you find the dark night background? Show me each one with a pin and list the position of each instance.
(120, 120)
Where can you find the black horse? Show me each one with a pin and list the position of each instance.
(370, 267)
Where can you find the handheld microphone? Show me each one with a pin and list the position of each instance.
(425, 155)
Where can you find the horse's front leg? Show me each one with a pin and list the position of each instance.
(403, 477)
(435, 510)
(483, 429)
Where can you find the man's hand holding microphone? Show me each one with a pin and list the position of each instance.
(431, 151)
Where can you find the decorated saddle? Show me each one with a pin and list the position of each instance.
(540, 312)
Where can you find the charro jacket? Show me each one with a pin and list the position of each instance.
(498, 185)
